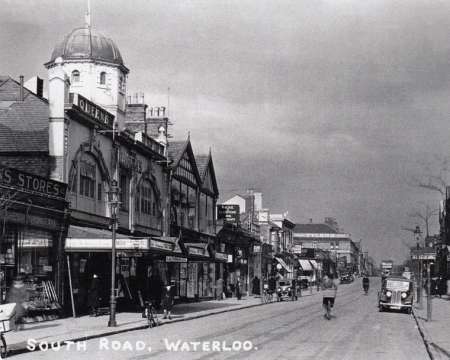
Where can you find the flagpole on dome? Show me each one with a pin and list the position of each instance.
(87, 16)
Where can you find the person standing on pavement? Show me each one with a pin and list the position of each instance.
(255, 286)
(155, 288)
(18, 294)
(168, 295)
(219, 289)
(94, 295)
(238, 289)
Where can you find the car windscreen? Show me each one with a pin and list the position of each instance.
(284, 283)
(397, 285)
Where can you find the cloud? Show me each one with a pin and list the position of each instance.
(323, 105)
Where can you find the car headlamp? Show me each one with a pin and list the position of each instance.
(279, 289)
(388, 293)
(289, 289)
(404, 295)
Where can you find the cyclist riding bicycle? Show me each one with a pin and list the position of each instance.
(365, 283)
(329, 290)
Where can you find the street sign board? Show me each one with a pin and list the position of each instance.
(228, 213)
(423, 254)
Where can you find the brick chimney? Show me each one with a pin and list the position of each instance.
(135, 114)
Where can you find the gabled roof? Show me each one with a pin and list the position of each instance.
(314, 229)
(203, 163)
(23, 124)
(176, 150)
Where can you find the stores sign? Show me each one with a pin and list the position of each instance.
(228, 213)
(32, 183)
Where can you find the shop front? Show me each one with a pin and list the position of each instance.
(88, 256)
(33, 223)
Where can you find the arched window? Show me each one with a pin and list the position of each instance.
(75, 76)
(102, 78)
(147, 205)
(121, 86)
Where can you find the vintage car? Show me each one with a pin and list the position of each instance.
(396, 293)
(346, 279)
(284, 290)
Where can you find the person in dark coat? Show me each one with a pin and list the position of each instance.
(155, 289)
(168, 295)
(255, 286)
(238, 289)
(94, 294)
(18, 294)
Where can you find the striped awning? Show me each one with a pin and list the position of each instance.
(283, 264)
(305, 265)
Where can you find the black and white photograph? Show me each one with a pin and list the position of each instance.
(225, 179)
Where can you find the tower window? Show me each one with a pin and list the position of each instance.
(75, 76)
(102, 78)
(121, 86)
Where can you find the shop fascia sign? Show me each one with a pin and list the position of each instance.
(221, 256)
(35, 243)
(106, 244)
(423, 254)
(196, 251)
(31, 183)
(162, 245)
(176, 259)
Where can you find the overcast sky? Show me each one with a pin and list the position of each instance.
(324, 106)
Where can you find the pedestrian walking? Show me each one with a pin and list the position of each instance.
(18, 294)
(168, 295)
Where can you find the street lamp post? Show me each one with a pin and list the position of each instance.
(417, 234)
(113, 203)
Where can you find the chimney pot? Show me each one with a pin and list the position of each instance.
(21, 92)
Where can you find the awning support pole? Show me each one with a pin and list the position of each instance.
(70, 286)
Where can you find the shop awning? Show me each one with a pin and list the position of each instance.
(305, 265)
(314, 264)
(94, 240)
(283, 264)
(197, 250)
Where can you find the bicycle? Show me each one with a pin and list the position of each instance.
(268, 296)
(151, 315)
(328, 304)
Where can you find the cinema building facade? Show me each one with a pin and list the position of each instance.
(101, 150)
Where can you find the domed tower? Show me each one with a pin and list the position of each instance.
(95, 68)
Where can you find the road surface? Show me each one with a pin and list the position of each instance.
(287, 330)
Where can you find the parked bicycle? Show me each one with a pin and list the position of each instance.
(267, 295)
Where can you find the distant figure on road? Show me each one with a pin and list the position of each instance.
(329, 290)
(365, 283)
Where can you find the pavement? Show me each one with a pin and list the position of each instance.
(290, 330)
(435, 332)
(86, 327)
